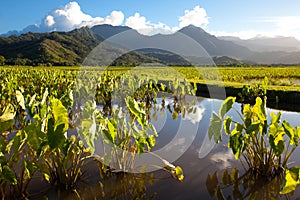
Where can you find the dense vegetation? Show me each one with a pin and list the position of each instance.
(40, 107)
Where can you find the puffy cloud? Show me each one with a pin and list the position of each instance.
(145, 27)
(49, 20)
(196, 16)
(69, 17)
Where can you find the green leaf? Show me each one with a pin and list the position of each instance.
(276, 134)
(29, 168)
(227, 125)
(151, 141)
(8, 113)
(236, 141)
(8, 175)
(60, 114)
(134, 106)
(253, 127)
(275, 119)
(6, 126)
(226, 106)
(58, 124)
(20, 99)
(215, 128)
(111, 124)
(179, 173)
(259, 109)
(291, 180)
(289, 130)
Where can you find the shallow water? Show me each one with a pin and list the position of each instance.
(184, 142)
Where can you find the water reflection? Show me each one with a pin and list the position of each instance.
(231, 185)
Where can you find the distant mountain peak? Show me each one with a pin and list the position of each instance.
(192, 28)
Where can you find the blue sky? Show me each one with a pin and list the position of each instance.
(244, 18)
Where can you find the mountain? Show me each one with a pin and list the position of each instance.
(71, 48)
(215, 46)
(265, 44)
(55, 48)
(105, 31)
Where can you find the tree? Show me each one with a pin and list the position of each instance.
(2, 60)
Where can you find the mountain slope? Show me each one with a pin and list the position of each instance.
(71, 48)
(56, 48)
(215, 46)
(264, 44)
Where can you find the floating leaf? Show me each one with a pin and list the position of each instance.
(179, 173)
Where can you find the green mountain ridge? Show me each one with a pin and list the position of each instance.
(71, 48)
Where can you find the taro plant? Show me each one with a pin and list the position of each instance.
(125, 134)
(62, 158)
(263, 147)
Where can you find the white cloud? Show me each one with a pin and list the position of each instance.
(288, 26)
(49, 20)
(196, 16)
(196, 116)
(145, 27)
(70, 16)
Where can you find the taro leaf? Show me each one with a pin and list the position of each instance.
(289, 130)
(153, 129)
(140, 144)
(29, 168)
(60, 114)
(227, 125)
(111, 124)
(43, 111)
(45, 95)
(35, 133)
(215, 128)
(212, 184)
(87, 135)
(276, 139)
(275, 118)
(6, 126)
(151, 141)
(8, 113)
(252, 127)
(226, 106)
(20, 99)
(247, 111)
(236, 141)
(134, 106)
(179, 173)
(58, 124)
(291, 180)
(8, 175)
(259, 109)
